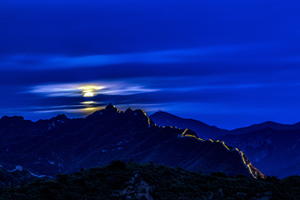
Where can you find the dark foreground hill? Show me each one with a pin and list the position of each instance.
(131, 180)
(62, 145)
(17, 176)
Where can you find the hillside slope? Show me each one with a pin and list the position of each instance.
(203, 130)
(67, 145)
(148, 181)
(274, 152)
(17, 176)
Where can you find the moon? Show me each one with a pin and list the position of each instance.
(90, 90)
(88, 94)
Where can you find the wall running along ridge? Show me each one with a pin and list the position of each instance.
(252, 170)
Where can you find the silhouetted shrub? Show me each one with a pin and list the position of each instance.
(62, 177)
(273, 179)
(218, 174)
(117, 165)
(241, 176)
(165, 183)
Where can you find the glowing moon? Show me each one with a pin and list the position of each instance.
(88, 94)
(90, 90)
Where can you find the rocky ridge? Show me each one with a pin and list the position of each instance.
(66, 145)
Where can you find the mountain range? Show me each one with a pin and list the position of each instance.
(274, 152)
(203, 130)
(206, 131)
(273, 147)
(63, 145)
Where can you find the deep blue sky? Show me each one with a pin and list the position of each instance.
(227, 63)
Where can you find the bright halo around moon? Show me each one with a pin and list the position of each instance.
(88, 94)
(90, 90)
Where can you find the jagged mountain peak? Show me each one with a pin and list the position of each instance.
(14, 121)
(107, 134)
(61, 117)
(128, 111)
(140, 112)
(111, 107)
(109, 111)
(6, 119)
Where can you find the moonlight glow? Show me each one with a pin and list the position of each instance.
(90, 90)
(88, 102)
(88, 94)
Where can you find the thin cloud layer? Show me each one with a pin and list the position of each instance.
(203, 54)
(78, 89)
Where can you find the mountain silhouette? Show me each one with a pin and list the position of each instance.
(203, 130)
(274, 152)
(62, 145)
(206, 131)
(271, 146)
(267, 124)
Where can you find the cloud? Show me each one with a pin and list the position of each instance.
(216, 57)
(201, 54)
(209, 99)
(96, 88)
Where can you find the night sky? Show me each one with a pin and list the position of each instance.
(228, 63)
